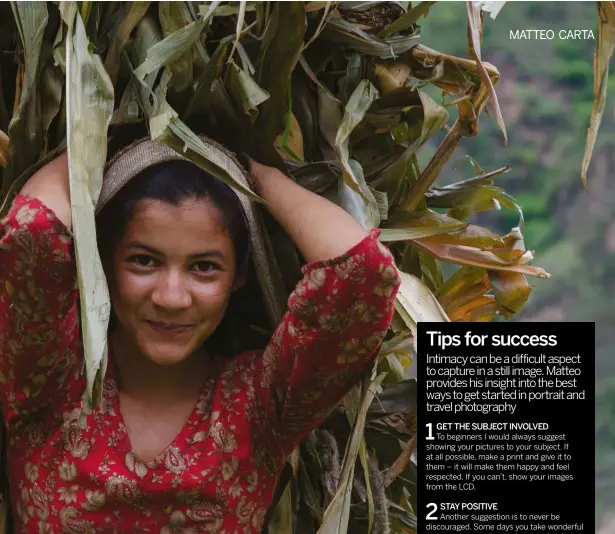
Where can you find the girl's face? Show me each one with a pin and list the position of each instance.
(171, 278)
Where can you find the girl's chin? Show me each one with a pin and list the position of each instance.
(165, 355)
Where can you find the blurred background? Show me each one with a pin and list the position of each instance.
(546, 92)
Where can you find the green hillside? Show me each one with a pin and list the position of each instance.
(546, 93)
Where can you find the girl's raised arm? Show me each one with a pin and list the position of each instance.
(338, 314)
(39, 331)
(320, 229)
(50, 185)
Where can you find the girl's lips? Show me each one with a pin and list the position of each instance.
(169, 330)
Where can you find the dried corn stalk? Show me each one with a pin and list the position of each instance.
(331, 93)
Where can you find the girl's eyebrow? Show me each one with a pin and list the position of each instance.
(205, 254)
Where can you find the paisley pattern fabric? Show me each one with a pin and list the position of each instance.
(219, 473)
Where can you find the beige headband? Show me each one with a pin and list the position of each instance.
(144, 153)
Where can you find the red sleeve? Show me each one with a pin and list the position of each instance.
(337, 318)
(38, 308)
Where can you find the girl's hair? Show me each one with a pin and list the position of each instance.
(173, 182)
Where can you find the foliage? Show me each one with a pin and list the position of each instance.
(338, 96)
(549, 88)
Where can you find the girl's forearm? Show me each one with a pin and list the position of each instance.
(320, 229)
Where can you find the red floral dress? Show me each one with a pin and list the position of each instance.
(219, 473)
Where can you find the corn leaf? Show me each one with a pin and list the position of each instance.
(352, 405)
(335, 520)
(291, 141)
(279, 53)
(605, 45)
(172, 18)
(243, 89)
(167, 128)
(481, 309)
(233, 9)
(464, 286)
(25, 129)
(174, 46)
(171, 131)
(492, 7)
(4, 149)
(308, 70)
(417, 225)
(400, 464)
(281, 521)
(89, 100)
(405, 517)
(201, 99)
(368, 214)
(471, 196)
(415, 303)
(475, 31)
(241, 15)
(464, 255)
(464, 295)
(348, 35)
(452, 232)
(136, 11)
(408, 19)
(511, 291)
(330, 117)
(355, 110)
(397, 398)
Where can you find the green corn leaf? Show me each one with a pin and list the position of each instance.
(407, 19)
(167, 51)
(336, 516)
(280, 51)
(25, 129)
(243, 89)
(172, 18)
(136, 11)
(357, 106)
(415, 303)
(89, 100)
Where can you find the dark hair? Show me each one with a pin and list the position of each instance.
(174, 182)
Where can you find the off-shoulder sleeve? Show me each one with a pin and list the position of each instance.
(38, 308)
(337, 318)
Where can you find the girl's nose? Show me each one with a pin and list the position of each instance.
(171, 292)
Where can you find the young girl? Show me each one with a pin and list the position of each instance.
(186, 438)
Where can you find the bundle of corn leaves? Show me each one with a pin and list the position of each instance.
(334, 95)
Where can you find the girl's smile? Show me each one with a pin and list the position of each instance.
(171, 277)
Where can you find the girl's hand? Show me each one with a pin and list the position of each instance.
(50, 185)
(320, 229)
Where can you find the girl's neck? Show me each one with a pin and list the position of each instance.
(153, 384)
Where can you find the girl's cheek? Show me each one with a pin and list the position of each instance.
(218, 290)
(133, 286)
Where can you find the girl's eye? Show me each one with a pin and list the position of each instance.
(205, 267)
(143, 261)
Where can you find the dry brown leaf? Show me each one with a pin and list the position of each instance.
(463, 255)
(4, 149)
(475, 34)
(392, 76)
(401, 462)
